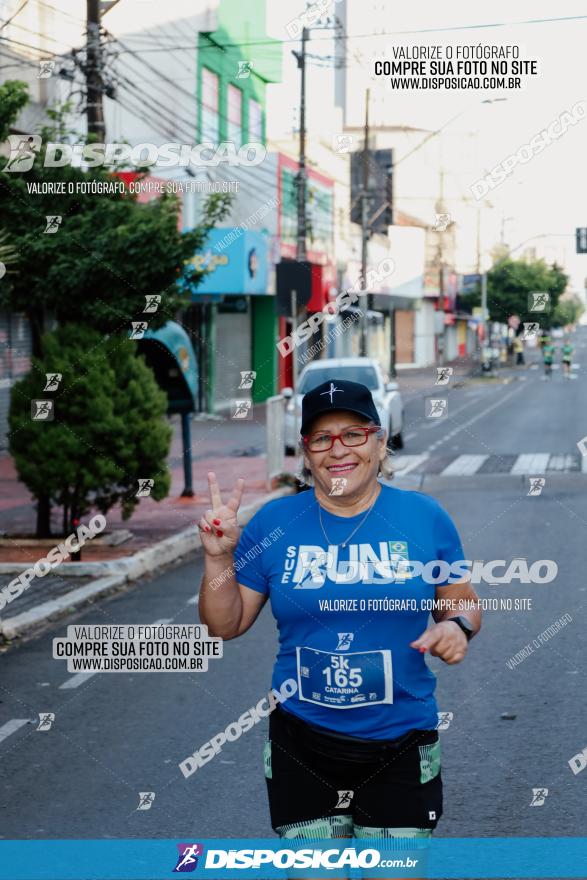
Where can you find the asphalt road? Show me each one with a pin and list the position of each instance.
(117, 735)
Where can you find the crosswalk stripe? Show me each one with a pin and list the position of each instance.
(407, 463)
(561, 463)
(76, 680)
(526, 464)
(12, 726)
(464, 465)
(531, 463)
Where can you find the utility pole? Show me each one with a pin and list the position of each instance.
(392, 333)
(484, 309)
(301, 178)
(365, 231)
(440, 208)
(301, 207)
(94, 108)
(478, 240)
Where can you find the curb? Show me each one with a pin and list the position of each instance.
(16, 626)
(116, 573)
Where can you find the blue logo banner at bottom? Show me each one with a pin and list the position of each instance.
(140, 859)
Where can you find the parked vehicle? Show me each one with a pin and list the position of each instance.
(367, 371)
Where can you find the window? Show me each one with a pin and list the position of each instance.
(255, 122)
(234, 115)
(209, 106)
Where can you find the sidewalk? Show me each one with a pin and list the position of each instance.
(215, 447)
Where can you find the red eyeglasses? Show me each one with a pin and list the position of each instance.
(323, 441)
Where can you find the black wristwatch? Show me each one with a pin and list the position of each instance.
(465, 625)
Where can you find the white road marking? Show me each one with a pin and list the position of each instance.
(410, 436)
(561, 463)
(193, 600)
(81, 677)
(528, 463)
(76, 680)
(12, 727)
(407, 463)
(464, 465)
(531, 463)
(475, 418)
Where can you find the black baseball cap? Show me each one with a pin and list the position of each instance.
(335, 395)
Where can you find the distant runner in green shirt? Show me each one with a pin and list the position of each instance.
(548, 351)
(567, 352)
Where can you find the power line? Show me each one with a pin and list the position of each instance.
(62, 12)
(275, 42)
(138, 113)
(166, 96)
(25, 45)
(19, 62)
(159, 108)
(20, 27)
(163, 126)
(149, 66)
(8, 20)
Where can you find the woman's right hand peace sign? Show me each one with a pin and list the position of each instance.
(219, 528)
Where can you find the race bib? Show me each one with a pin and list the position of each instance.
(344, 681)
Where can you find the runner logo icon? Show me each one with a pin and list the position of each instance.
(187, 860)
(344, 641)
(344, 800)
(539, 795)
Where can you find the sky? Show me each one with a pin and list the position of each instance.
(547, 194)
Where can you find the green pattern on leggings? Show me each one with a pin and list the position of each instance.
(365, 832)
(318, 829)
(429, 761)
(267, 759)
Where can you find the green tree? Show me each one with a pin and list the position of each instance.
(567, 311)
(107, 433)
(510, 282)
(109, 251)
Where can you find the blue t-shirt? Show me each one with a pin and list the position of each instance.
(346, 615)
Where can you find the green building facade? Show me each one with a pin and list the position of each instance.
(234, 65)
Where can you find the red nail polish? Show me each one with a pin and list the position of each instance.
(206, 528)
(219, 533)
(423, 650)
(216, 522)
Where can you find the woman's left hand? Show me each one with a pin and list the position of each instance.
(445, 640)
